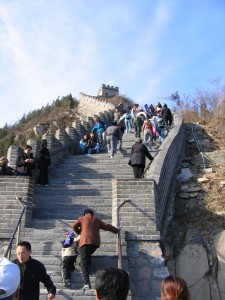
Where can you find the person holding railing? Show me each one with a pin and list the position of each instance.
(137, 158)
(88, 227)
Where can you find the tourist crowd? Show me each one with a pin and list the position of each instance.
(148, 124)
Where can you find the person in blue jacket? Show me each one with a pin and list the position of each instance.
(99, 128)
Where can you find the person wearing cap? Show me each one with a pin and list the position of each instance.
(9, 280)
(69, 256)
(137, 157)
(32, 272)
(89, 227)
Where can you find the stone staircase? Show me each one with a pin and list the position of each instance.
(77, 183)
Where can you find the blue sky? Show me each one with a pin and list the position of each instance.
(148, 48)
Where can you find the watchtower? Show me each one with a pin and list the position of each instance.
(108, 91)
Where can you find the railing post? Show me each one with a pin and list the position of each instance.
(119, 247)
(17, 229)
(119, 251)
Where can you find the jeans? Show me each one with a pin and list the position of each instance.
(101, 137)
(111, 144)
(119, 144)
(161, 134)
(148, 138)
(137, 130)
(95, 149)
(128, 125)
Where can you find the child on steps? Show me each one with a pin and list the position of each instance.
(69, 256)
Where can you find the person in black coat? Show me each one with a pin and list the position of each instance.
(32, 272)
(137, 157)
(25, 162)
(44, 161)
(167, 115)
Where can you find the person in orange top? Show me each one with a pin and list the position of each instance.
(88, 227)
(147, 133)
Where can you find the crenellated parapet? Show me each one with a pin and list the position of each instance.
(108, 90)
(92, 105)
(63, 141)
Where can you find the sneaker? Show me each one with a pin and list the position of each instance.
(86, 287)
(67, 283)
(111, 157)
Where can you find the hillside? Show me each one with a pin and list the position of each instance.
(59, 115)
(205, 212)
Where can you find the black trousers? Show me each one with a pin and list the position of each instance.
(85, 255)
(138, 171)
(68, 266)
(43, 175)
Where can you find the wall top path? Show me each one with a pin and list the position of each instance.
(91, 105)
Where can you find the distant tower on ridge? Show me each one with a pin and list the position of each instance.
(108, 91)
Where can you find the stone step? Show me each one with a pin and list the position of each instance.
(88, 182)
(70, 294)
(57, 223)
(45, 215)
(73, 186)
(57, 234)
(119, 174)
(75, 192)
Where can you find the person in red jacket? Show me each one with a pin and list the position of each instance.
(88, 227)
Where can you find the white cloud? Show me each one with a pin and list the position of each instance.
(147, 48)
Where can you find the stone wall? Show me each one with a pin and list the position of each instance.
(60, 145)
(140, 239)
(163, 171)
(145, 217)
(12, 187)
(62, 142)
(91, 106)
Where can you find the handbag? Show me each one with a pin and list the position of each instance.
(129, 162)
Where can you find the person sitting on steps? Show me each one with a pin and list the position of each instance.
(84, 144)
(93, 144)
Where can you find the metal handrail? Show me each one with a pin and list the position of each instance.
(198, 143)
(119, 248)
(16, 230)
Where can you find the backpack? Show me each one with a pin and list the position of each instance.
(128, 116)
(161, 123)
(137, 120)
